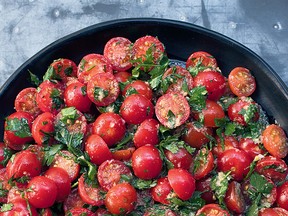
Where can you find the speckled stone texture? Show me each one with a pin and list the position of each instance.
(27, 26)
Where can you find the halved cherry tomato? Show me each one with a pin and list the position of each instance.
(229, 142)
(282, 196)
(234, 198)
(276, 211)
(203, 186)
(73, 201)
(123, 154)
(181, 159)
(62, 69)
(122, 76)
(138, 87)
(249, 146)
(80, 212)
(43, 128)
(20, 207)
(203, 163)
(212, 210)
(201, 58)
(160, 192)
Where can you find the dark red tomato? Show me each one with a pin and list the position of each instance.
(146, 162)
(180, 159)
(212, 210)
(203, 186)
(50, 96)
(73, 201)
(118, 51)
(122, 76)
(160, 192)
(17, 130)
(43, 128)
(90, 194)
(201, 59)
(138, 87)
(42, 192)
(136, 108)
(92, 64)
(20, 207)
(62, 181)
(234, 160)
(110, 172)
(143, 44)
(61, 69)
(282, 195)
(196, 136)
(123, 154)
(241, 82)
(182, 182)
(273, 168)
(230, 142)
(80, 212)
(214, 83)
(103, 89)
(238, 110)
(121, 199)
(178, 80)
(24, 163)
(147, 133)
(210, 113)
(110, 126)
(273, 212)
(203, 163)
(275, 141)
(97, 149)
(249, 146)
(172, 110)
(66, 160)
(26, 101)
(75, 95)
(234, 198)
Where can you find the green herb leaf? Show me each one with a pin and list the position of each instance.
(20, 127)
(249, 113)
(197, 98)
(100, 93)
(6, 207)
(219, 185)
(69, 115)
(143, 184)
(50, 152)
(51, 74)
(34, 79)
(57, 100)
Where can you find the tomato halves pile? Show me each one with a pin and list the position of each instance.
(129, 132)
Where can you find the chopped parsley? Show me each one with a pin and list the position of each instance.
(20, 127)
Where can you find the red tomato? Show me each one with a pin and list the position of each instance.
(46, 212)
(181, 159)
(110, 126)
(201, 58)
(234, 198)
(196, 136)
(249, 146)
(92, 64)
(90, 193)
(16, 193)
(205, 160)
(75, 95)
(20, 207)
(97, 149)
(138, 87)
(123, 154)
(182, 182)
(160, 192)
(42, 192)
(275, 141)
(212, 210)
(121, 199)
(203, 186)
(102, 212)
(73, 201)
(146, 162)
(122, 76)
(103, 89)
(282, 196)
(234, 160)
(43, 128)
(172, 110)
(110, 172)
(273, 168)
(38, 150)
(17, 130)
(3, 152)
(178, 80)
(118, 51)
(26, 101)
(136, 108)
(241, 82)
(214, 83)
(273, 212)
(147, 133)
(230, 142)
(62, 69)
(62, 180)
(80, 212)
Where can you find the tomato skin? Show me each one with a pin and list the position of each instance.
(234, 198)
(181, 159)
(20, 207)
(122, 76)
(43, 192)
(136, 108)
(146, 162)
(161, 191)
(276, 211)
(206, 159)
(275, 141)
(282, 196)
(203, 185)
(147, 133)
(204, 58)
(230, 142)
(80, 212)
(140, 87)
(97, 149)
(234, 160)
(42, 125)
(64, 69)
(182, 183)
(110, 126)
(214, 83)
(212, 210)
(249, 146)
(73, 201)
(123, 154)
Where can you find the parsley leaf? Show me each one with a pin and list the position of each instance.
(143, 184)
(20, 127)
(197, 98)
(57, 100)
(50, 152)
(99, 93)
(51, 74)
(249, 112)
(6, 207)
(34, 79)
(219, 185)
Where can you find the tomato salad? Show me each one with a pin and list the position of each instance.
(129, 132)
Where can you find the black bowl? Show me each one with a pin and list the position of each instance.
(180, 39)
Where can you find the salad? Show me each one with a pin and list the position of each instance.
(132, 132)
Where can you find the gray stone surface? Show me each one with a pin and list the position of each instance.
(27, 26)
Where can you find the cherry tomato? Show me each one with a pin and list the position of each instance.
(61, 69)
(43, 128)
(80, 212)
(203, 186)
(5, 153)
(117, 51)
(73, 201)
(249, 146)
(110, 126)
(136, 108)
(273, 212)
(122, 76)
(275, 141)
(282, 196)
(138, 87)
(172, 110)
(214, 83)
(241, 82)
(180, 159)
(146, 162)
(229, 142)
(206, 163)
(20, 207)
(123, 154)
(201, 58)
(211, 210)
(234, 198)
(160, 192)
